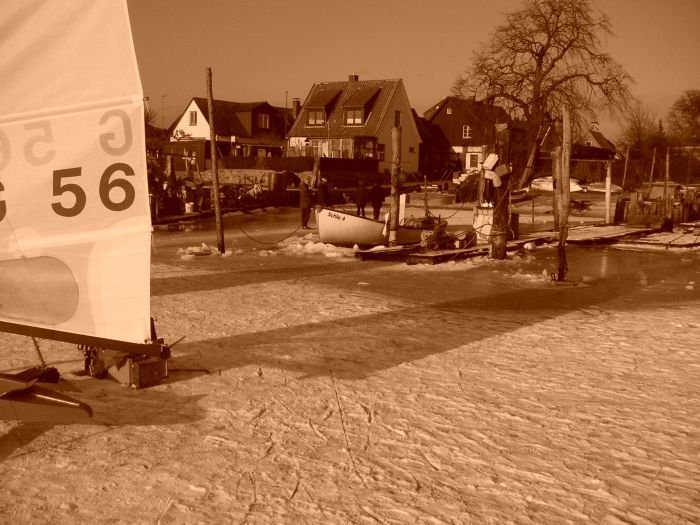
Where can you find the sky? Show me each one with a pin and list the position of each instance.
(275, 50)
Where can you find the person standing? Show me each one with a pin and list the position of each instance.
(361, 198)
(323, 197)
(376, 197)
(305, 203)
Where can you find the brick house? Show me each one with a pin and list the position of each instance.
(459, 129)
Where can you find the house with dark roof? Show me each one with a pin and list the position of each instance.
(243, 129)
(354, 119)
(459, 128)
(594, 138)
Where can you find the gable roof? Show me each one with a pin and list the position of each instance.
(470, 109)
(373, 95)
(430, 133)
(361, 97)
(601, 141)
(227, 121)
(323, 97)
(226, 115)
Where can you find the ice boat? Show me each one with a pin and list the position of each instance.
(75, 230)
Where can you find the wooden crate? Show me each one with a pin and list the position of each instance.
(140, 371)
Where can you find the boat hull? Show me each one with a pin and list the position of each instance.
(345, 229)
(546, 185)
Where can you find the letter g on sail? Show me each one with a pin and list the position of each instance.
(111, 142)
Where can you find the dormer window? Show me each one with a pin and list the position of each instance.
(316, 117)
(263, 121)
(357, 105)
(353, 117)
(466, 132)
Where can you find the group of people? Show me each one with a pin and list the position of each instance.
(374, 195)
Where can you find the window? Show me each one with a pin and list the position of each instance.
(474, 160)
(316, 117)
(193, 118)
(263, 121)
(449, 111)
(353, 116)
(466, 132)
(380, 151)
(397, 118)
(364, 148)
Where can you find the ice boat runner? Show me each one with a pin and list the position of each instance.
(74, 213)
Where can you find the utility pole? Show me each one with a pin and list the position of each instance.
(624, 173)
(162, 112)
(651, 173)
(215, 167)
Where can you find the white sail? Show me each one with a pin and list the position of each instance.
(74, 214)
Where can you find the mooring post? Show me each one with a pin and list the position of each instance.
(395, 185)
(215, 167)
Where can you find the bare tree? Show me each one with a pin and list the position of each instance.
(639, 127)
(543, 56)
(684, 118)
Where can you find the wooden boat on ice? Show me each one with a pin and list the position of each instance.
(346, 229)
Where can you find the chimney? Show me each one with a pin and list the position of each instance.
(353, 78)
(296, 107)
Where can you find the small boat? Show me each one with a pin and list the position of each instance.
(599, 187)
(346, 229)
(546, 184)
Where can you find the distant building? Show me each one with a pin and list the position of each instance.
(594, 138)
(243, 129)
(354, 119)
(459, 128)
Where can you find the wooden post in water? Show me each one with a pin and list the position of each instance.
(215, 167)
(608, 189)
(668, 203)
(651, 172)
(501, 192)
(563, 189)
(395, 185)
